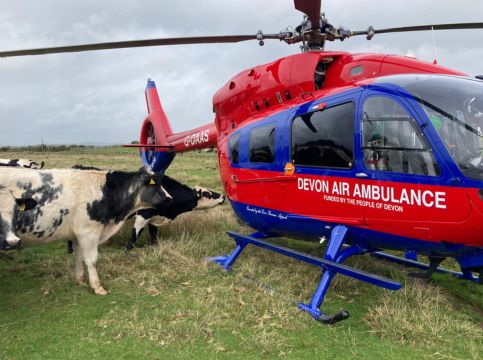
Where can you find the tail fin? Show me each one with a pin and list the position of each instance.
(158, 145)
(155, 131)
(156, 113)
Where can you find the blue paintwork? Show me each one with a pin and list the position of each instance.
(450, 174)
(422, 266)
(150, 85)
(331, 264)
(286, 224)
(157, 161)
(335, 243)
(225, 261)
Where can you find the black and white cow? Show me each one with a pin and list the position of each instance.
(85, 206)
(184, 199)
(28, 164)
(9, 210)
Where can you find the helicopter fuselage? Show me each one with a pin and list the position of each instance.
(435, 215)
(389, 177)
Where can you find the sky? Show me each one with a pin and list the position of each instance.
(98, 97)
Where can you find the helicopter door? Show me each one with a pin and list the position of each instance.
(257, 183)
(404, 181)
(322, 152)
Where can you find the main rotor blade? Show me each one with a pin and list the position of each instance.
(311, 8)
(136, 43)
(458, 26)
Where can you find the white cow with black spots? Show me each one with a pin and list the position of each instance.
(10, 207)
(87, 207)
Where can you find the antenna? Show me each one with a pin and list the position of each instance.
(435, 62)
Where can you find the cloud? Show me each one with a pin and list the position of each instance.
(99, 96)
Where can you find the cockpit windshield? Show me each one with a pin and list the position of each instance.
(454, 106)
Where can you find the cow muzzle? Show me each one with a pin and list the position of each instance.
(11, 242)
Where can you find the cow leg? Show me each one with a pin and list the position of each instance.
(79, 267)
(138, 228)
(153, 233)
(134, 237)
(88, 247)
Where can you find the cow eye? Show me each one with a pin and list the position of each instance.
(206, 194)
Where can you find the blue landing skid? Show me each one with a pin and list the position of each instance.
(419, 265)
(331, 264)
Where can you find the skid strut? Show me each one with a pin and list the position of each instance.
(431, 268)
(331, 264)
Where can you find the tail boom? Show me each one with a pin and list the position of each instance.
(200, 138)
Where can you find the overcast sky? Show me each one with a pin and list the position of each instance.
(98, 97)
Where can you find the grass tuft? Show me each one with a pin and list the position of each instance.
(421, 315)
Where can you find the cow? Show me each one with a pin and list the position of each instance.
(184, 199)
(9, 209)
(28, 164)
(85, 206)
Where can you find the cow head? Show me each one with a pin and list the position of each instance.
(152, 193)
(23, 163)
(9, 208)
(207, 198)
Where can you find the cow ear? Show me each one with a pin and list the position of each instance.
(26, 204)
(146, 170)
(198, 191)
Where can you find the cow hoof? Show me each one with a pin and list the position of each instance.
(82, 282)
(100, 291)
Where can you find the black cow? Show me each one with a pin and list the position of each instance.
(28, 164)
(184, 199)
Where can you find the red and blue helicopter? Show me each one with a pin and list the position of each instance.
(363, 151)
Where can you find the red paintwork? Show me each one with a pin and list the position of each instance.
(201, 137)
(459, 222)
(235, 102)
(280, 84)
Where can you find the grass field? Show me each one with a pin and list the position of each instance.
(167, 302)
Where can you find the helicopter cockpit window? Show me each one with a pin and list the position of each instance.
(325, 138)
(392, 140)
(262, 144)
(234, 145)
(454, 106)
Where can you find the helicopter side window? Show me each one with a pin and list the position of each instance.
(234, 145)
(262, 144)
(325, 138)
(392, 140)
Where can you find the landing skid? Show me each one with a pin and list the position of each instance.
(429, 269)
(330, 264)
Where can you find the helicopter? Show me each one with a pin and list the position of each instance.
(364, 152)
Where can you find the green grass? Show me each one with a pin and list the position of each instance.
(167, 302)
